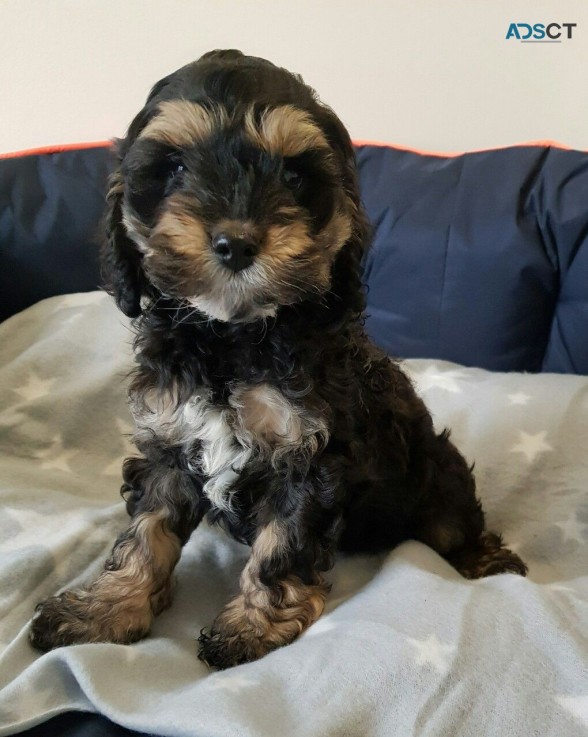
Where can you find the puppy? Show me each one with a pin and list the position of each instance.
(235, 240)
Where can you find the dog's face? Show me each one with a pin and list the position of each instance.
(236, 192)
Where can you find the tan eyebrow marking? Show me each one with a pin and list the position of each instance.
(182, 123)
(285, 130)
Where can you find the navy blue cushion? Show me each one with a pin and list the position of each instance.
(51, 207)
(480, 259)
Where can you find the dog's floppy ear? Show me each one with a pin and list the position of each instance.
(341, 143)
(121, 262)
(121, 267)
(347, 269)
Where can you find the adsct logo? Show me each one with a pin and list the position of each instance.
(550, 33)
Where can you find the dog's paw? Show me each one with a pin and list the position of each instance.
(76, 617)
(489, 558)
(222, 651)
(59, 620)
(504, 561)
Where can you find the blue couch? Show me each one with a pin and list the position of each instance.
(480, 259)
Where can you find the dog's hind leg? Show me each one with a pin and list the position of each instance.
(452, 520)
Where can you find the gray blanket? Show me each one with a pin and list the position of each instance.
(406, 647)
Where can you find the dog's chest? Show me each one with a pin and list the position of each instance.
(256, 422)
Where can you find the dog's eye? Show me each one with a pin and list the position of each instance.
(292, 179)
(175, 168)
(173, 165)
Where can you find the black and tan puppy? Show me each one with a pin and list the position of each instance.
(236, 236)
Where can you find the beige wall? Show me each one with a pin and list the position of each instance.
(435, 74)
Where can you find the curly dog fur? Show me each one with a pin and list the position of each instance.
(235, 240)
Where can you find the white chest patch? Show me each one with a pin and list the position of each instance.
(258, 421)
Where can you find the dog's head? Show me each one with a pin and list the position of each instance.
(236, 193)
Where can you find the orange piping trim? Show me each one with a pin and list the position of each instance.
(58, 149)
(449, 155)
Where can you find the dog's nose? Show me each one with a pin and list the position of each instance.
(234, 252)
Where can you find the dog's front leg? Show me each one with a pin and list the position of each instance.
(271, 610)
(282, 591)
(136, 583)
